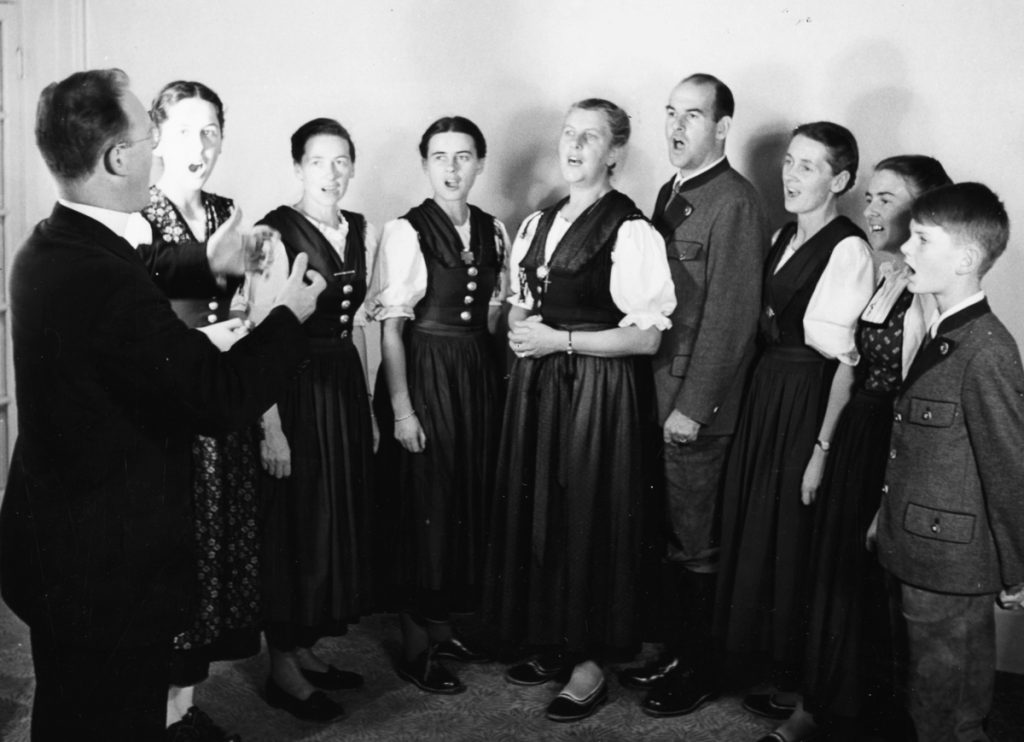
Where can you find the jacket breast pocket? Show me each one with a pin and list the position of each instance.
(940, 525)
(685, 250)
(932, 413)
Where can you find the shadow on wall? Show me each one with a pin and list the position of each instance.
(529, 177)
(765, 151)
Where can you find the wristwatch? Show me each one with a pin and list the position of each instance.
(823, 445)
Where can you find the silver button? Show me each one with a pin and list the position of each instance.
(347, 288)
(465, 316)
(885, 489)
(471, 286)
(472, 271)
(935, 526)
(211, 318)
(898, 417)
(344, 319)
(926, 415)
(346, 304)
(343, 334)
(468, 300)
(213, 305)
(892, 454)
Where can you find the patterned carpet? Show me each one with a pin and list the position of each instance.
(389, 709)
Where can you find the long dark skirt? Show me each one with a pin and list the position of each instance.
(435, 506)
(761, 603)
(848, 649)
(318, 522)
(564, 560)
(225, 510)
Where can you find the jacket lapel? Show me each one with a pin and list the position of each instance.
(944, 343)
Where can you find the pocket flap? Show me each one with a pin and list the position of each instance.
(932, 413)
(680, 364)
(941, 525)
(685, 250)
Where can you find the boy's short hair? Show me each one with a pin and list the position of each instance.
(971, 213)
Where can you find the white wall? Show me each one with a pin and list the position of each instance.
(939, 77)
(932, 76)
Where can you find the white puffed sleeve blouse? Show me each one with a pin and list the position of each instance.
(400, 274)
(641, 284)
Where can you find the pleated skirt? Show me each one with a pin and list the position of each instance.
(434, 507)
(848, 646)
(563, 565)
(761, 603)
(317, 522)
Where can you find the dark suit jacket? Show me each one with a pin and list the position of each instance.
(717, 236)
(952, 513)
(95, 530)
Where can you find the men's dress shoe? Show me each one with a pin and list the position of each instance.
(680, 692)
(763, 704)
(334, 679)
(456, 649)
(429, 675)
(534, 672)
(207, 729)
(646, 676)
(567, 708)
(318, 707)
(182, 731)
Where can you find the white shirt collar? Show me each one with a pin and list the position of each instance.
(132, 226)
(679, 180)
(970, 300)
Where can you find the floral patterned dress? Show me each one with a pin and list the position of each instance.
(226, 613)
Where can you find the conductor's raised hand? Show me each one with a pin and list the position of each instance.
(297, 295)
(228, 247)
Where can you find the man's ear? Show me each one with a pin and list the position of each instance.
(114, 160)
(722, 127)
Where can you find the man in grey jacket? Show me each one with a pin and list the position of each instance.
(716, 235)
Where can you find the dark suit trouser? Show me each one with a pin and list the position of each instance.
(952, 658)
(108, 695)
(693, 494)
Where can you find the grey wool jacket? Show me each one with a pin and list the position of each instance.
(952, 512)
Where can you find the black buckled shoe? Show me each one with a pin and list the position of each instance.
(334, 679)
(428, 675)
(206, 728)
(647, 676)
(538, 671)
(763, 704)
(681, 691)
(566, 708)
(457, 649)
(318, 707)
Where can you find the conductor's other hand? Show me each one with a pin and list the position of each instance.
(297, 295)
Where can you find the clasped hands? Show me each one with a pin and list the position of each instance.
(531, 338)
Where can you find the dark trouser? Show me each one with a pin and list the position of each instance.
(101, 695)
(693, 493)
(952, 658)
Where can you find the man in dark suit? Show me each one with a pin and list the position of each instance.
(716, 235)
(950, 527)
(95, 534)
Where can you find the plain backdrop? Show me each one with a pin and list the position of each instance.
(937, 77)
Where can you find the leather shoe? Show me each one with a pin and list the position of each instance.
(566, 708)
(534, 672)
(334, 679)
(456, 649)
(428, 675)
(206, 728)
(182, 731)
(680, 692)
(647, 676)
(763, 704)
(318, 707)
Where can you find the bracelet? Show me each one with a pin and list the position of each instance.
(568, 348)
(405, 417)
(823, 445)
